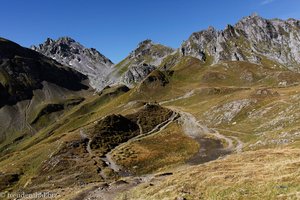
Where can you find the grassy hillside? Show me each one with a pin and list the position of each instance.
(174, 121)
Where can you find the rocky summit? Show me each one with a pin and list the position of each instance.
(253, 39)
(141, 62)
(87, 61)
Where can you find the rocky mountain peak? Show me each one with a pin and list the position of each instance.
(49, 41)
(254, 17)
(149, 52)
(143, 48)
(66, 40)
(211, 29)
(251, 39)
(71, 53)
(145, 42)
(142, 61)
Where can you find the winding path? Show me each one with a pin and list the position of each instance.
(140, 126)
(185, 96)
(240, 145)
(88, 147)
(91, 153)
(229, 141)
(158, 128)
(193, 128)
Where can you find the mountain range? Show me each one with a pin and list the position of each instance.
(218, 117)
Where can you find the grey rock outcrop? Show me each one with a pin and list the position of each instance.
(136, 73)
(150, 53)
(252, 39)
(87, 61)
(141, 62)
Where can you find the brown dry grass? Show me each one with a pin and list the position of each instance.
(169, 147)
(261, 174)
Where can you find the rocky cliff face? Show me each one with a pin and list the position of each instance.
(136, 73)
(89, 62)
(252, 39)
(141, 62)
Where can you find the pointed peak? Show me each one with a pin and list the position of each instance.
(49, 41)
(149, 44)
(229, 27)
(66, 39)
(253, 15)
(211, 29)
(145, 42)
(254, 18)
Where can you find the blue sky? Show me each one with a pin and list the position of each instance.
(115, 27)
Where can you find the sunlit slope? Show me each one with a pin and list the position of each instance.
(252, 107)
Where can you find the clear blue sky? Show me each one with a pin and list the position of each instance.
(115, 27)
